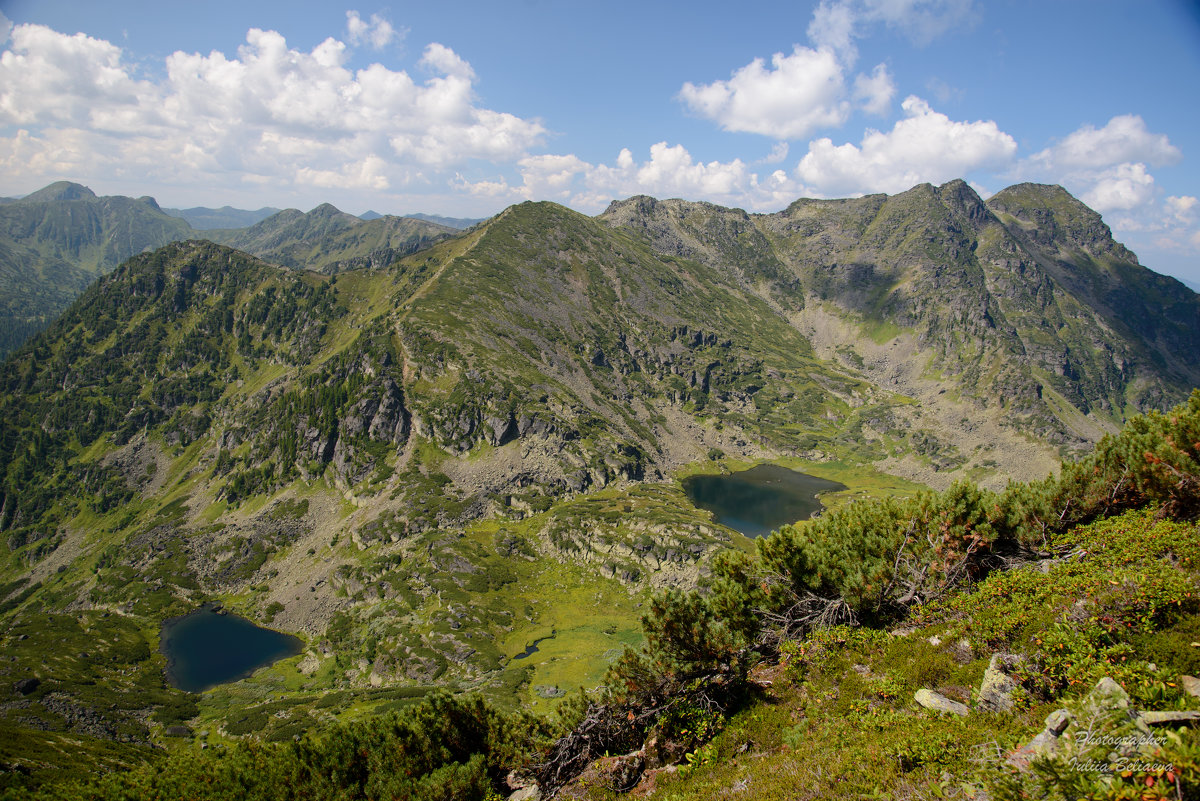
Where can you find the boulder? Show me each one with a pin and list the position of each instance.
(619, 774)
(1107, 701)
(1045, 743)
(1169, 718)
(940, 703)
(997, 688)
(1191, 685)
(531, 793)
(26, 686)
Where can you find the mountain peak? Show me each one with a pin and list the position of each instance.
(1050, 214)
(60, 190)
(327, 210)
(960, 198)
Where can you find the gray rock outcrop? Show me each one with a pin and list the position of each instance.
(940, 703)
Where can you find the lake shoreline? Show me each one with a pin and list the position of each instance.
(237, 632)
(759, 500)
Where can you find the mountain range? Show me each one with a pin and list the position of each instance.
(201, 218)
(56, 241)
(426, 449)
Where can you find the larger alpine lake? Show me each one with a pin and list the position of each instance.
(759, 500)
(207, 648)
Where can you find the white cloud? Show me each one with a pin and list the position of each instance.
(779, 152)
(366, 174)
(833, 28)
(551, 177)
(670, 171)
(874, 92)
(440, 58)
(925, 146)
(837, 23)
(1124, 140)
(1106, 168)
(922, 21)
(1181, 208)
(46, 76)
(797, 94)
(1120, 188)
(270, 111)
(804, 91)
(378, 32)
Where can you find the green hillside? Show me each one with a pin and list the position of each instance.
(453, 462)
(330, 241)
(1072, 600)
(56, 241)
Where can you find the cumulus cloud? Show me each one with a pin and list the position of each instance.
(837, 23)
(795, 95)
(924, 146)
(1181, 208)
(48, 77)
(833, 27)
(1108, 168)
(1123, 140)
(779, 152)
(366, 174)
(670, 171)
(377, 32)
(874, 92)
(802, 92)
(1120, 188)
(270, 111)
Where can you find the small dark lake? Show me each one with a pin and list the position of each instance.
(532, 648)
(759, 500)
(207, 648)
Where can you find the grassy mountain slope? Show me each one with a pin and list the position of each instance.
(56, 241)
(427, 464)
(328, 240)
(359, 459)
(1084, 615)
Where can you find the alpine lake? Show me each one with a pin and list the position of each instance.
(759, 500)
(208, 647)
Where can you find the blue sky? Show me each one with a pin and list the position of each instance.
(464, 108)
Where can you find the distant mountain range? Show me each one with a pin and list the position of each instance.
(460, 223)
(202, 218)
(56, 241)
(328, 240)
